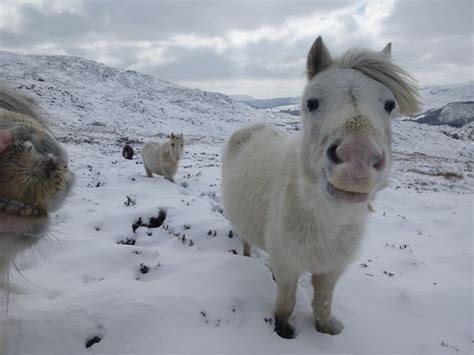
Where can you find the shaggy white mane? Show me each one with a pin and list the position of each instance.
(377, 66)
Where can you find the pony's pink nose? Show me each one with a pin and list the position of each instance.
(5, 140)
(361, 153)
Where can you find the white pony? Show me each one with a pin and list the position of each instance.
(305, 198)
(163, 158)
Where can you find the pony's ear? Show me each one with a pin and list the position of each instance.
(318, 58)
(387, 50)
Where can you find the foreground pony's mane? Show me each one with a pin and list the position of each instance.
(15, 102)
(377, 66)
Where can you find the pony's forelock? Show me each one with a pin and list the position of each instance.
(379, 67)
(16, 102)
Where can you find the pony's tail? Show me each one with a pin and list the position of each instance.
(240, 138)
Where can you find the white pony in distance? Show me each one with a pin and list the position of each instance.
(163, 158)
(305, 198)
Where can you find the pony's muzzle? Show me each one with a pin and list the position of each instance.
(5, 140)
(354, 163)
(359, 153)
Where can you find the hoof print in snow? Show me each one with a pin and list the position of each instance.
(231, 317)
(153, 222)
(204, 316)
(212, 233)
(231, 234)
(137, 224)
(94, 340)
(144, 269)
(184, 184)
(130, 201)
(233, 251)
(389, 274)
(445, 345)
(128, 241)
(184, 240)
(268, 320)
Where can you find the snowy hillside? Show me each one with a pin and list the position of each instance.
(86, 96)
(103, 284)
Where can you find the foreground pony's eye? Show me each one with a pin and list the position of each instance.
(312, 104)
(389, 105)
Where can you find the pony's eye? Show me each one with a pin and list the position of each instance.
(389, 105)
(182, 146)
(172, 144)
(312, 104)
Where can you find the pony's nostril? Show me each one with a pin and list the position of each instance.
(378, 161)
(332, 155)
(50, 167)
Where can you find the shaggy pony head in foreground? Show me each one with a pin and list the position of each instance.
(34, 177)
(346, 108)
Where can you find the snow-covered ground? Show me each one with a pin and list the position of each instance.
(184, 287)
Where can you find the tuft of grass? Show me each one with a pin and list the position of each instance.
(91, 341)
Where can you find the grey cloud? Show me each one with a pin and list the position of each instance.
(262, 60)
(194, 64)
(428, 36)
(153, 20)
(430, 19)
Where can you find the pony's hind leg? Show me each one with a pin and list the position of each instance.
(322, 300)
(147, 171)
(247, 248)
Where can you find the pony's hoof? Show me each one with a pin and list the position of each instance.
(284, 329)
(333, 326)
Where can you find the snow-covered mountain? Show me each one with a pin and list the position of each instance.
(454, 114)
(266, 103)
(433, 97)
(102, 285)
(83, 95)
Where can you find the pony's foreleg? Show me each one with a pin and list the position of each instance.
(170, 178)
(323, 286)
(247, 248)
(285, 303)
(147, 171)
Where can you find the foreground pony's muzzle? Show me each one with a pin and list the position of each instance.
(353, 169)
(5, 140)
(34, 176)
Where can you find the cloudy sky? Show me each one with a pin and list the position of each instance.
(253, 47)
